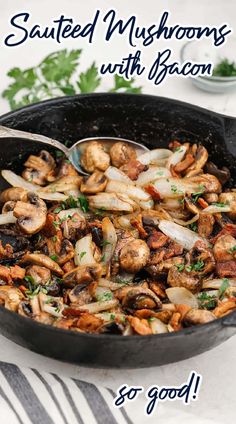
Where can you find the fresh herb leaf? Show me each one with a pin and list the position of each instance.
(83, 202)
(150, 319)
(224, 286)
(112, 316)
(206, 301)
(55, 76)
(29, 279)
(180, 267)
(198, 266)
(57, 210)
(193, 227)
(82, 254)
(123, 85)
(232, 249)
(105, 296)
(54, 239)
(225, 69)
(195, 196)
(105, 243)
(54, 257)
(89, 80)
(219, 204)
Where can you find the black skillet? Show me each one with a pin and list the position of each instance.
(153, 121)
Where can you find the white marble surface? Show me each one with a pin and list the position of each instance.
(216, 403)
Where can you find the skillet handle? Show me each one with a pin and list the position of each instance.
(230, 320)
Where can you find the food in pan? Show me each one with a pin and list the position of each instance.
(143, 245)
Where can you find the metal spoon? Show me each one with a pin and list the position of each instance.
(75, 151)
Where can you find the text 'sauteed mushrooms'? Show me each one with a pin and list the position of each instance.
(144, 245)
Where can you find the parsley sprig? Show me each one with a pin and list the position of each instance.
(57, 75)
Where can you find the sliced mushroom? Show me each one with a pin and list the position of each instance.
(134, 256)
(40, 274)
(80, 294)
(83, 274)
(140, 298)
(121, 153)
(198, 316)
(8, 206)
(52, 305)
(224, 248)
(31, 216)
(205, 225)
(42, 260)
(13, 194)
(183, 279)
(38, 167)
(230, 199)
(200, 160)
(95, 158)
(70, 182)
(223, 175)
(94, 184)
(10, 297)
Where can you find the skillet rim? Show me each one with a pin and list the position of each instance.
(71, 333)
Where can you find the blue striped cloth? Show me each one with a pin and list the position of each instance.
(28, 396)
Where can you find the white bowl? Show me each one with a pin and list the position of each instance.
(204, 51)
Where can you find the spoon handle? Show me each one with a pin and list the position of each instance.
(6, 132)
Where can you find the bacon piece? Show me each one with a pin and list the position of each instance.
(184, 164)
(158, 289)
(175, 321)
(225, 307)
(5, 252)
(133, 168)
(138, 223)
(17, 273)
(164, 316)
(150, 189)
(141, 326)
(157, 239)
(89, 323)
(226, 269)
(228, 229)
(202, 203)
(68, 266)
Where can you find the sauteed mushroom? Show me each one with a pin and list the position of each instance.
(145, 246)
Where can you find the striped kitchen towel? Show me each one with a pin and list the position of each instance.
(28, 396)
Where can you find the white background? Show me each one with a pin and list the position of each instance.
(216, 403)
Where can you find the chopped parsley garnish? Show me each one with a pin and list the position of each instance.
(159, 173)
(54, 257)
(193, 227)
(198, 266)
(207, 301)
(103, 258)
(54, 238)
(83, 202)
(58, 209)
(121, 280)
(180, 267)
(225, 69)
(232, 249)
(29, 279)
(224, 286)
(105, 243)
(82, 254)
(112, 316)
(105, 296)
(219, 204)
(177, 149)
(175, 190)
(150, 319)
(195, 196)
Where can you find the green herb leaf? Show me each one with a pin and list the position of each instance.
(180, 267)
(29, 279)
(105, 243)
(198, 266)
(232, 250)
(206, 301)
(123, 85)
(82, 254)
(83, 202)
(219, 204)
(89, 80)
(224, 286)
(105, 296)
(54, 257)
(225, 69)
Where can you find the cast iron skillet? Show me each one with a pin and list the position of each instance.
(150, 120)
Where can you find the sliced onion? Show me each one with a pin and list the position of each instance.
(96, 307)
(176, 157)
(109, 240)
(112, 202)
(108, 316)
(217, 282)
(84, 251)
(153, 156)
(133, 192)
(17, 181)
(146, 204)
(175, 187)
(152, 174)
(113, 173)
(216, 209)
(189, 222)
(102, 282)
(158, 327)
(187, 238)
(101, 291)
(7, 218)
(182, 296)
(56, 197)
(67, 213)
